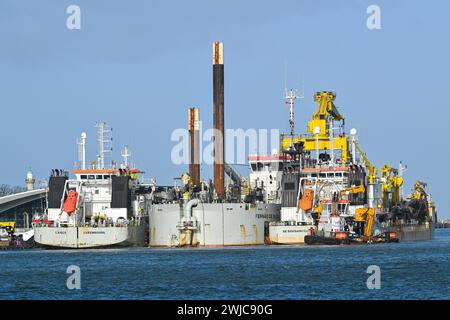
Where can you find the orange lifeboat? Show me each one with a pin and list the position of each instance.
(70, 205)
(306, 202)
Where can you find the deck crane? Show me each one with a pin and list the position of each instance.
(353, 190)
(419, 192)
(373, 171)
(366, 216)
(326, 111)
(392, 182)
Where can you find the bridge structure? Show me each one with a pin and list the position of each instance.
(19, 206)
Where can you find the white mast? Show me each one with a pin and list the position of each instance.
(352, 145)
(401, 171)
(289, 98)
(331, 136)
(104, 143)
(125, 154)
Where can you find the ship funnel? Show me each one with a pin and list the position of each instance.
(194, 150)
(218, 119)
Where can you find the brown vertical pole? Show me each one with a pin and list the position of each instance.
(218, 119)
(194, 150)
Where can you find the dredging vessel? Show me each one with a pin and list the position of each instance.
(103, 206)
(332, 193)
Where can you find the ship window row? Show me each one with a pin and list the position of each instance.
(328, 175)
(95, 177)
(259, 166)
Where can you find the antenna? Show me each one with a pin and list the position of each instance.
(303, 85)
(289, 98)
(285, 75)
(104, 143)
(125, 154)
(401, 171)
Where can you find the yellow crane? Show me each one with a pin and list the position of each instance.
(326, 110)
(419, 192)
(392, 182)
(353, 190)
(373, 171)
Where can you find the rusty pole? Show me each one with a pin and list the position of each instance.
(218, 119)
(194, 150)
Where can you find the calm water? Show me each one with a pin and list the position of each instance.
(414, 270)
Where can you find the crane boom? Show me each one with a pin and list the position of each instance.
(371, 169)
(353, 190)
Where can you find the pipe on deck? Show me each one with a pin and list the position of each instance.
(194, 150)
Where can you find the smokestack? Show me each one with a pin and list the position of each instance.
(194, 150)
(218, 119)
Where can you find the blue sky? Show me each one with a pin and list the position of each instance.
(139, 64)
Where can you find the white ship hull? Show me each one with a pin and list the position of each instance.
(87, 237)
(218, 224)
(287, 234)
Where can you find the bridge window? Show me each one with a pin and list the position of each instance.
(106, 177)
(322, 175)
(83, 176)
(91, 176)
(338, 174)
(330, 175)
(99, 177)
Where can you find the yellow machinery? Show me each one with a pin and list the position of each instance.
(325, 114)
(392, 183)
(353, 190)
(419, 192)
(365, 215)
(9, 228)
(326, 110)
(8, 225)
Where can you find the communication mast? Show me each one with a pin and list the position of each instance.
(125, 154)
(289, 98)
(104, 144)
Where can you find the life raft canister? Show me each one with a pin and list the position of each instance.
(70, 205)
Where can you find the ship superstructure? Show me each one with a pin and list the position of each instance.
(103, 205)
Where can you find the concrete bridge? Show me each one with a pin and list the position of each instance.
(18, 199)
